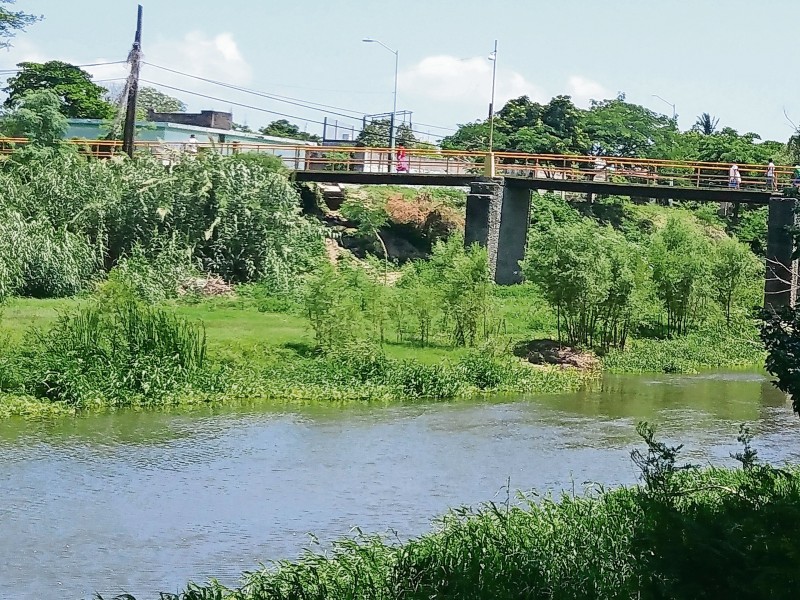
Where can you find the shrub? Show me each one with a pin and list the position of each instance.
(152, 277)
(39, 261)
(128, 355)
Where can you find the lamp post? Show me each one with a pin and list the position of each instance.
(396, 53)
(490, 159)
(674, 114)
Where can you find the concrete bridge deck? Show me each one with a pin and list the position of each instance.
(603, 188)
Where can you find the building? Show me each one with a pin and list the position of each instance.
(169, 132)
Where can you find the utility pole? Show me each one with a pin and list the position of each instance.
(489, 169)
(134, 58)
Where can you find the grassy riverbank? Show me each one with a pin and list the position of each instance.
(255, 355)
(52, 364)
(684, 534)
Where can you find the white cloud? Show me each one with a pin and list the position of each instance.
(463, 81)
(583, 90)
(213, 57)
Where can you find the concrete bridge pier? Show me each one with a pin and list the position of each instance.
(497, 219)
(780, 284)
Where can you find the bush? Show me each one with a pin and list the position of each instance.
(39, 261)
(132, 354)
(152, 277)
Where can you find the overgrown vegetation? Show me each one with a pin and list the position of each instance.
(684, 533)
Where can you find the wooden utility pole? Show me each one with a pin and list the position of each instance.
(134, 58)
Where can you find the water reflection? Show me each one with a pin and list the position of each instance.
(143, 501)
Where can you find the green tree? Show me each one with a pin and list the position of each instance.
(285, 129)
(37, 116)
(733, 268)
(13, 21)
(80, 97)
(151, 98)
(706, 124)
(376, 135)
(371, 216)
(619, 128)
(680, 259)
(475, 137)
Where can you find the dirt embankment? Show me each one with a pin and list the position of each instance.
(550, 352)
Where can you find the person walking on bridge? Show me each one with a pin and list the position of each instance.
(771, 184)
(734, 177)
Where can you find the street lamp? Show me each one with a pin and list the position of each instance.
(674, 115)
(394, 103)
(493, 58)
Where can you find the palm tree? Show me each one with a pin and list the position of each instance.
(706, 124)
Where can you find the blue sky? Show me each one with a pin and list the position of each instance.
(733, 59)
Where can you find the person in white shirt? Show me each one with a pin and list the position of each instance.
(771, 183)
(734, 177)
(191, 145)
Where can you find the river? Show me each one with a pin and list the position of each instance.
(145, 501)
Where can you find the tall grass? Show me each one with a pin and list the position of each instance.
(705, 349)
(130, 354)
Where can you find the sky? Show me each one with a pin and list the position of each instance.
(735, 60)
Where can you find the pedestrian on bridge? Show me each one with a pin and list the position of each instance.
(796, 176)
(734, 177)
(771, 183)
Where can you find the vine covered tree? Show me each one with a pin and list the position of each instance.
(81, 98)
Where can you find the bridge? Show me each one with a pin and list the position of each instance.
(500, 186)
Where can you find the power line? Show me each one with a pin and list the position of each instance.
(248, 106)
(325, 108)
(98, 64)
(287, 99)
(272, 112)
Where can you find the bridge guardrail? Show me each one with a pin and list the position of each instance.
(458, 162)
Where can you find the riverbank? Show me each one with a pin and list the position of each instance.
(255, 354)
(709, 533)
(248, 356)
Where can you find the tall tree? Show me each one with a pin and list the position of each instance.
(619, 128)
(706, 124)
(376, 135)
(80, 97)
(283, 128)
(13, 21)
(37, 117)
(151, 98)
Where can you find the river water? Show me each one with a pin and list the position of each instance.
(145, 501)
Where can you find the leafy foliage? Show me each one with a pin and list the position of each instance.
(376, 135)
(37, 117)
(12, 21)
(149, 98)
(239, 221)
(285, 129)
(128, 354)
(80, 97)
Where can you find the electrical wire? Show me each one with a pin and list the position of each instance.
(325, 108)
(98, 64)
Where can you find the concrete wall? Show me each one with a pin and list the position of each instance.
(497, 219)
(780, 285)
(512, 239)
(206, 118)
